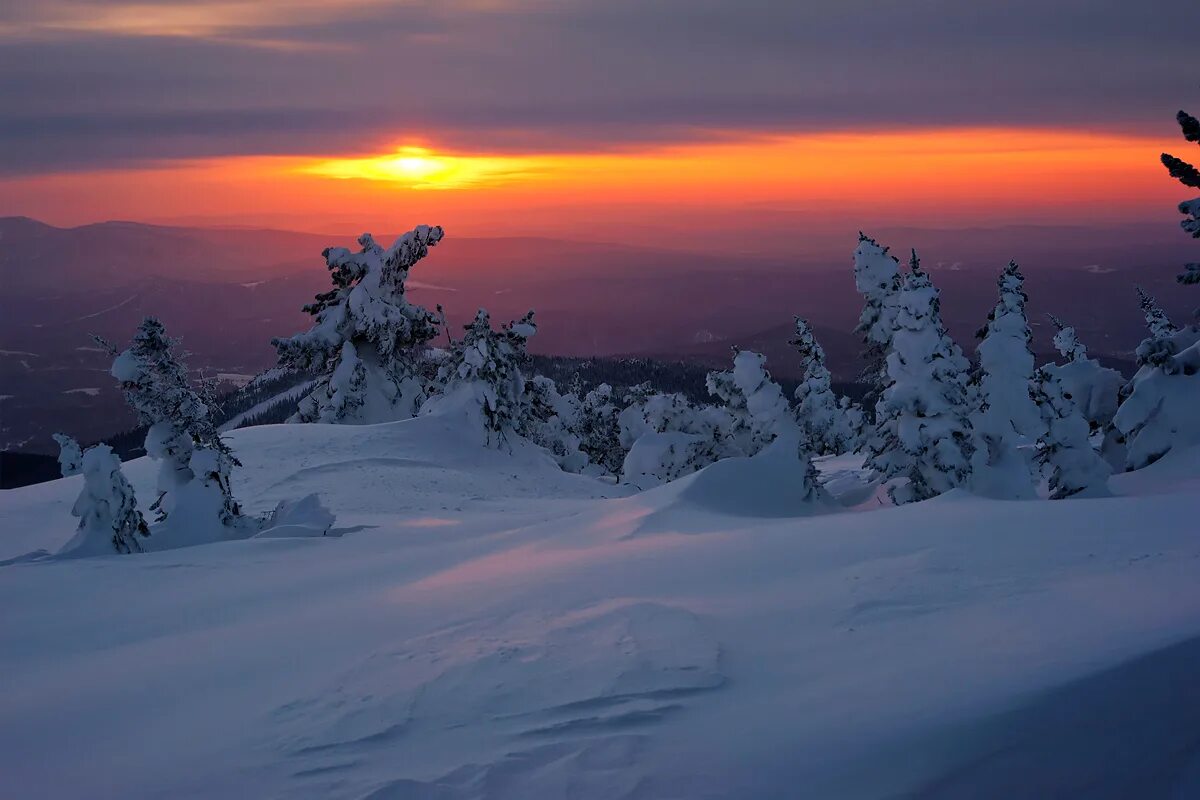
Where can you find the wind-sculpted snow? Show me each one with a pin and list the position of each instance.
(596, 677)
(481, 625)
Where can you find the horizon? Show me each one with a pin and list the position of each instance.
(574, 120)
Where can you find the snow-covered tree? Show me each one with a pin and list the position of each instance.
(1159, 409)
(1066, 342)
(550, 420)
(877, 278)
(769, 413)
(922, 432)
(208, 498)
(1157, 322)
(829, 425)
(155, 383)
(1094, 388)
(483, 378)
(739, 435)
(761, 418)
(1065, 453)
(109, 520)
(70, 456)
(1188, 175)
(598, 430)
(366, 340)
(1005, 416)
(666, 437)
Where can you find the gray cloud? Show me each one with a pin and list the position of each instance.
(538, 76)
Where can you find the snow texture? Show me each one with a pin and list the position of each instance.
(484, 625)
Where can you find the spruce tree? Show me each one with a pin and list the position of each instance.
(483, 377)
(598, 431)
(109, 520)
(877, 278)
(1157, 322)
(156, 386)
(1095, 390)
(1158, 412)
(829, 425)
(922, 432)
(1065, 453)
(367, 341)
(70, 457)
(1005, 415)
(1188, 175)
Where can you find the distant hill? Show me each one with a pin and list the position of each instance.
(226, 292)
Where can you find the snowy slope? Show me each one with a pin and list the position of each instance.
(487, 626)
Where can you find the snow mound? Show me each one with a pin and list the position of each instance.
(297, 519)
(770, 484)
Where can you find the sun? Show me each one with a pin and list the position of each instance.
(421, 168)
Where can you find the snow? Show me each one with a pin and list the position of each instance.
(480, 624)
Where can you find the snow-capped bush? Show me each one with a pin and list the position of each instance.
(1005, 414)
(1065, 453)
(482, 377)
(922, 432)
(367, 339)
(829, 425)
(70, 457)
(109, 520)
(156, 386)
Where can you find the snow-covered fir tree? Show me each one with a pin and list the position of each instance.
(70, 456)
(1065, 452)
(109, 520)
(1095, 389)
(550, 420)
(1066, 341)
(761, 418)
(1159, 409)
(877, 278)
(367, 339)
(208, 498)
(1157, 322)
(598, 430)
(1187, 174)
(1158, 412)
(483, 377)
(739, 436)
(1005, 415)
(156, 386)
(829, 425)
(769, 413)
(666, 437)
(922, 432)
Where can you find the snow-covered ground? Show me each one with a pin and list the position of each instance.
(483, 625)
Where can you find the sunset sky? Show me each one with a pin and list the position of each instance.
(571, 118)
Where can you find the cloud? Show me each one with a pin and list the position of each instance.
(95, 84)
